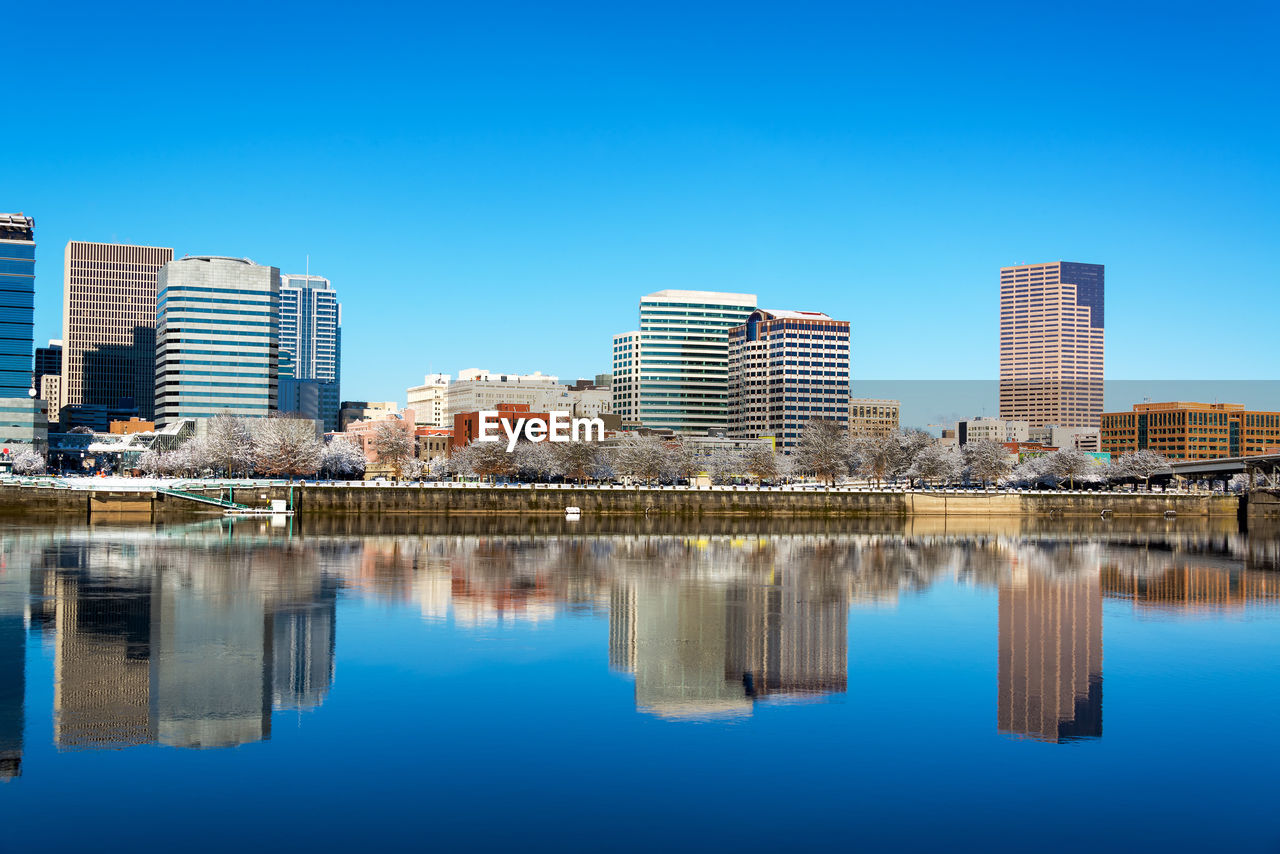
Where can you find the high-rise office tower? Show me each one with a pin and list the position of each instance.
(673, 371)
(17, 303)
(1050, 659)
(785, 368)
(1051, 344)
(311, 333)
(217, 340)
(109, 326)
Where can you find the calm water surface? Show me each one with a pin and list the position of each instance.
(541, 685)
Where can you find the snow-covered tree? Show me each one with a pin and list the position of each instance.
(576, 460)
(640, 457)
(876, 457)
(937, 463)
(762, 463)
(534, 461)
(286, 446)
(722, 465)
(27, 461)
(824, 450)
(1142, 464)
(484, 459)
(1070, 465)
(413, 469)
(341, 460)
(228, 446)
(393, 444)
(680, 462)
(438, 467)
(986, 460)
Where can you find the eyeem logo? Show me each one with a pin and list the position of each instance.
(561, 428)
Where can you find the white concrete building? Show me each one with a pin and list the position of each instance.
(430, 401)
(475, 390)
(993, 429)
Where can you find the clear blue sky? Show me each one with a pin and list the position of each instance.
(494, 185)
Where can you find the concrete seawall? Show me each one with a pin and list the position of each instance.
(742, 502)
(17, 501)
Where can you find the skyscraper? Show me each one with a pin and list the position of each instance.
(17, 303)
(217, 338)
(673, 372)
(311, 333)
(109, 326)
(785, 368)
(1051, 344)
(1050, 659)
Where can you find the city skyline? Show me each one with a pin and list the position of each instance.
(546, 184)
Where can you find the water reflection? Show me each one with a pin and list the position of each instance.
(192, 636)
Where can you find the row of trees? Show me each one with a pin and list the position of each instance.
(277, 447)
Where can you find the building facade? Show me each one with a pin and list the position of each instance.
(109, 326)
(365, 410)
(217, 340)
(673, 373)
(311, 333)
(1051, 343)
(869, 416)
(477, 389)
(430, 401)
(17, 303)
(1182, 430)
(784, 369)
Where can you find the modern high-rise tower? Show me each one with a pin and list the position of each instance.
(1051, 344)
(673, 372)
(785, 368)
(311, 333)
(109, 326)
(17, 303)
(217, 338)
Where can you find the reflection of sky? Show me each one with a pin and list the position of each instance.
(498, 734)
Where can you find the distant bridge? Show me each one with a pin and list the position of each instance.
(1268, 465)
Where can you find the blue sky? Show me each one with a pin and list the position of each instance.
(494, 185)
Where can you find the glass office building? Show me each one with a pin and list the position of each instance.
(673, 372)
(17, 303)
(311, 334)
(217, 338)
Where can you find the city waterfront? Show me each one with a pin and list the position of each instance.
(640, 683)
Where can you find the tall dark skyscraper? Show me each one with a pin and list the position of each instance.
(109, 326)
(17, 303)
(1051, 344)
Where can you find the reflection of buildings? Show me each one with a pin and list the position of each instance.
(102, 663)
(1192, 588)
(302, 658)
(700, 649)
(13, 649)
(192, 653)
(212, 667)
(1050, 656)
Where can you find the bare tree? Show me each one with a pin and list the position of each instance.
(534, 461)
(577, 460)
(1143, 464)
(393, 444)
(641, 457)
(414, 468)
(986, 460)
(484, 459)
(876, 457)
(824, 450)
(762, 463)
(722, 465)
(1070, 465)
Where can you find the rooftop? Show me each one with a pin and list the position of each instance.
(17, 226)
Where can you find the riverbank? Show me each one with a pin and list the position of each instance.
(151, 501)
